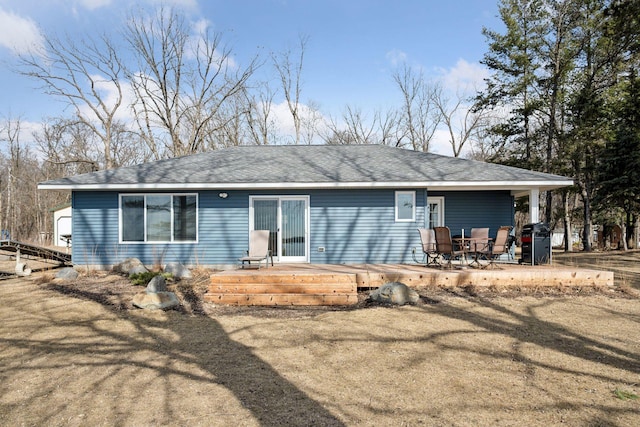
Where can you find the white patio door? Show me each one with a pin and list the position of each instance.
(287, 218)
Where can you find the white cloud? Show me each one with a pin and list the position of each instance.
(440, 143)
(281, 115)
(198, 46)
(25, 135)
(396, 57)
(283, 121)
(464, 76)
(460, 83)
(109, 95)
(18, 34)
(201, 26)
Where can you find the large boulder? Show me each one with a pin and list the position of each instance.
(130, 266)
(157, 284)
(394, 293)
(155, 301)
(177, 270)
(67, 273)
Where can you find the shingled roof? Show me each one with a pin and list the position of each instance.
(309, 167)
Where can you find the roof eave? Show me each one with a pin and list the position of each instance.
(515, 187)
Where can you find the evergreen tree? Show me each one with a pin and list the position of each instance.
(530, 66)
(601, 60)
(513, 59)
(619, 173)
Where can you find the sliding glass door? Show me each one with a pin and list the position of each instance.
(265, 217)
(287, 218)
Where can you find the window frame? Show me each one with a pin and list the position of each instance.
(145, 240)
(439, 201)
(413, 207)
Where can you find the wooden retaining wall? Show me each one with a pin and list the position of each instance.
(522, 277)
(338, 284)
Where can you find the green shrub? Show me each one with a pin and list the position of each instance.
(142, 279)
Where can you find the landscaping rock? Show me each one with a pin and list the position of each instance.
(67, 273)
(395, 293)
(130, 266)
(177, 270)
(137, 269)
(157, 284)
(155, 301)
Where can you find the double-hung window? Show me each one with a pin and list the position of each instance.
(158, 218)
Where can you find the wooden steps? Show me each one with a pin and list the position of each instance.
(266, 288)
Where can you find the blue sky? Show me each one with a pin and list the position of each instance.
(353, 45)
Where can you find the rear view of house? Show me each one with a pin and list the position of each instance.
(322, 204)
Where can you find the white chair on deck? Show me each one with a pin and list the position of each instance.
(258, 249)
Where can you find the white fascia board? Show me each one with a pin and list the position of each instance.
(521, 186)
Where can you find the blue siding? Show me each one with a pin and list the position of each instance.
(224, 225)
(471, 209)
(222, 234)
(94, 226)
(354, 226)
(358, 226)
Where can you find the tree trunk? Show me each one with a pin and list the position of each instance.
(568, 243)
(636, 230)
(628, 232)
(586, 231)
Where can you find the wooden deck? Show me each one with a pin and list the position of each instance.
(314, 284)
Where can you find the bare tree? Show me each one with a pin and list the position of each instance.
(22, 208)
(356, 123)
(68, 147)
(260, 123)
(290, 74)
(12, 208)
(87, 75)
(229, 128)
(182, 82)
(420, 116)
(487, 145)
(71, 145)
(461, 122)
(355, 127)
(390, 132)
(311, 120)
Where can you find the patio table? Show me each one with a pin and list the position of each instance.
(473, 245)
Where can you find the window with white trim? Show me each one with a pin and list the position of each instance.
(436, 211)
(405, 206)
(158, 218)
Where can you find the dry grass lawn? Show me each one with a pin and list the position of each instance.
(77, 354)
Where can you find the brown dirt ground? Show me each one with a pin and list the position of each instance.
(78, 354)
